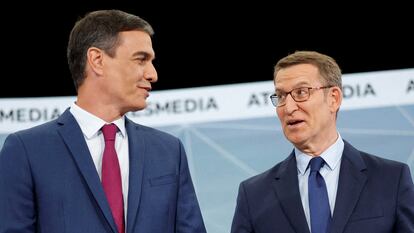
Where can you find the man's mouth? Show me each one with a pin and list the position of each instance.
(294, 122)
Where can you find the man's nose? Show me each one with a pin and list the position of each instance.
(290, 104)
(151, 74)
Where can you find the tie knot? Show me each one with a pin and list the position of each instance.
(316, 163)
(109, 132)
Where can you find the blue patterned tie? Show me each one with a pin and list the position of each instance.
(320, 213)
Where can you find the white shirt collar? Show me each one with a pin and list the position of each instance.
(332, 156)
(91, 124)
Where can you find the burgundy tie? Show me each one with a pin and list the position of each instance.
(111, 177)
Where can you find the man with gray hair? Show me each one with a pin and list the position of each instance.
(325, 184)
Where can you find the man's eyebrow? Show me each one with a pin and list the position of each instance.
(301, 83)
(142, 54)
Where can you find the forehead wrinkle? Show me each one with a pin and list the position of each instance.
(302, 83)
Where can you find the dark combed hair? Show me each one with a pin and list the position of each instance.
(99, 29)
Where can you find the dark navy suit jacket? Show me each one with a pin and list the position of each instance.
(49, 184)
(374, 195)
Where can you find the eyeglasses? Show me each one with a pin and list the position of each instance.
(300, 94)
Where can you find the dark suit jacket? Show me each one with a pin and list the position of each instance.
(374, 195)
(49, 184)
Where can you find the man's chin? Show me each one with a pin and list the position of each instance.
(296, 140)
(137, 107)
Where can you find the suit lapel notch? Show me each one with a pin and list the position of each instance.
(352, 180)
(72, 135)
(136, 138)
(286, 188)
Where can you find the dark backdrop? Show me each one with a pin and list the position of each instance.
(200, 45)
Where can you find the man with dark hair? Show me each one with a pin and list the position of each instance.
(93, 169)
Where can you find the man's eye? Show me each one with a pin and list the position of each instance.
(140, 60)
(301, 92)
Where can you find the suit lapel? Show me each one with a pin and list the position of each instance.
(74, 140)
(136, 170)
(286, 187)
(351, 181)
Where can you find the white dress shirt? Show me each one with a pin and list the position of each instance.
(329, 172)
(91, 128)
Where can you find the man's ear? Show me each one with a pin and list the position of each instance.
(335, 99)
(94, 59)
